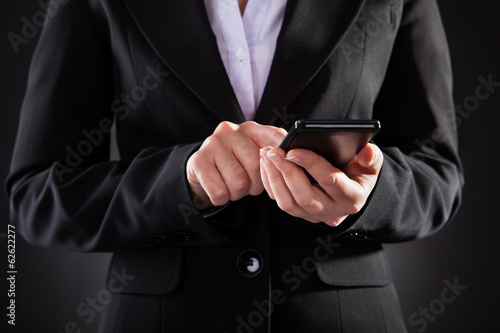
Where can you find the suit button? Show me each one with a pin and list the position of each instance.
(250, 263)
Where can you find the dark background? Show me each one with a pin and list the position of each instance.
(51, 283)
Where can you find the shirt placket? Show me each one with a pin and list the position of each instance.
(239, 64)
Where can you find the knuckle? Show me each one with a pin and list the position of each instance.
(249, 123)
(334, 222)
(225, 127)
(210, 141)
(196, 163)
(310, 164)
(249, 152)
(306, 202)
(278, 133)
(329, 180)
(289, 173)
(239, 185)
(218, 196)
(354, 206)
(256, 190)
(329, 185)
(286, 205)
(191, 162)
(195, 159)
(357, 207)
(249, 128)
(274, 178)
(253, 169)
(233, 168)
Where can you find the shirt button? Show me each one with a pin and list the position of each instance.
(250, 263)
(241, 54)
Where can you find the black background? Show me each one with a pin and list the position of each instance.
(51, 283)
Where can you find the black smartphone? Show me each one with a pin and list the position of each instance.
(338, 141)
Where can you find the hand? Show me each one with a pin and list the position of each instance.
(336, 194)
(226, 167)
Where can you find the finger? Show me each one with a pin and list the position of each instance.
(209, 181)
(349, 192)
(311, 199)
(248, 155)
(365, 167)
(280, 190)
(233, 174)
(263, 172)
(199, 197)
(332, 180)
(218, 152)
(263, 135)
(245, 150)
(367, 156)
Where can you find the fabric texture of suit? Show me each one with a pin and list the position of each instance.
(154, 68)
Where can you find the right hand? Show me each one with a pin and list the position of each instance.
(227, 165)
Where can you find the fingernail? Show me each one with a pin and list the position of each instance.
(265, 158)
(371, 161)
(265, 150)
(276, 158)
(374, 157)
(294, 159)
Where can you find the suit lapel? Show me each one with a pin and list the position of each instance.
(310, 33)
(180, 33)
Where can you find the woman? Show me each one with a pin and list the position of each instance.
(212, 227)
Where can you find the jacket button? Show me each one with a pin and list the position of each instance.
(250, 263)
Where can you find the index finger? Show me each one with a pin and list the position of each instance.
(263, 135)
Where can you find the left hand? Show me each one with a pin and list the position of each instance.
(336, 194)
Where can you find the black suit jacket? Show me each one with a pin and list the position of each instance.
(153, 67)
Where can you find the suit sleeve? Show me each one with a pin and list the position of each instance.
(94, 204)
(420, 184)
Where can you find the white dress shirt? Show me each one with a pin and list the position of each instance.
(246, 45)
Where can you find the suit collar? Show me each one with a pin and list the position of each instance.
(310, 32)
(180, 33)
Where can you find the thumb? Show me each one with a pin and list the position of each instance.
(369, 156)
